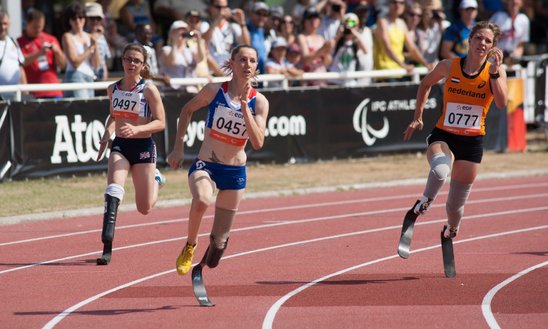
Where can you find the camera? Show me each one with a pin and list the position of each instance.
(47, 46)
(188, 35)
(346, 31)
(336, 8)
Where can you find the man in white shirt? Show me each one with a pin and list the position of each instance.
(11, 58)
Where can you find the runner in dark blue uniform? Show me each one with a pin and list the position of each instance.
(236, 114)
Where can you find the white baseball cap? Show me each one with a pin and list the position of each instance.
(468, 4)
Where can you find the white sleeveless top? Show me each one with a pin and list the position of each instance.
(85, 67)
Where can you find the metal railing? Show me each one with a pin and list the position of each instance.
(415, 77)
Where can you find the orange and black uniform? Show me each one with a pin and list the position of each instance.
(466, 102)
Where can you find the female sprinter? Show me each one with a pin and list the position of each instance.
(236, 113)
(456, 143)
(136, 112)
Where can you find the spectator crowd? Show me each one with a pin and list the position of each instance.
(194, 38)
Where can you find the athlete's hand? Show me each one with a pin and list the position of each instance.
(496, 58)
(244, 96)
(175, 159)
(127, 130)
(415, 124)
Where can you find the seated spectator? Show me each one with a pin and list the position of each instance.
(315, 50)
(44, 57)
(11, 63)
(514, 31)
(294, 55)
(345, 58)
(94, 24)
(221, 34)
(455, 38)
(80, 50)
(277, 63)
(176, 59)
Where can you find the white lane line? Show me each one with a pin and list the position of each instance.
(486, 303)
(308, 220)
(268, 210)
(271, 314)
(75, 307)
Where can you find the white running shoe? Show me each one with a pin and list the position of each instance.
(422, 205)
(159, 178)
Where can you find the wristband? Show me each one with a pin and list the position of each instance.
(494, 75)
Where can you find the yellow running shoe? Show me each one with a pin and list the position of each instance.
(184, 261)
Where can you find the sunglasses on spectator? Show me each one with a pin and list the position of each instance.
(263, 14)
(220, 7)
(79, 17)
(130, 60)
(415, 15)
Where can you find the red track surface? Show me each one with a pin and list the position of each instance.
(324, 260)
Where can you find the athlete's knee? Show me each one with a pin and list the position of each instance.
(440, 165)
(115, 190)
(114, 193)
(144, 209)
(201, 203)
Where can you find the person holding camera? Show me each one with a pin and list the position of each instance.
(334, 11)
(177, 59)
(348, 42)
(43, 54)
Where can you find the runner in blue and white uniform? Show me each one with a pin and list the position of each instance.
(237, 113)
(136, 112)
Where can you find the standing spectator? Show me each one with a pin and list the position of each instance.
(115, 40)
(455, 37)
(257, 33)
(315, 50)
(287, 30)
(167, 11)
(431, 29)
(194, 21)
(514, 31)
(11, 62)
(132, 13)
(365, 55)
(413, 17)
(390, 38)
(222, 35)
(43, 55)
(277, 62)
(143, 36)
(331, 20)
(176, 59)
(298, 10)
(345, 58)
(539, 26)
(80, 50)
(94, 24)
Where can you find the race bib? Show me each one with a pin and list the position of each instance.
(229, 126)
(463, 116)
(126, 104)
